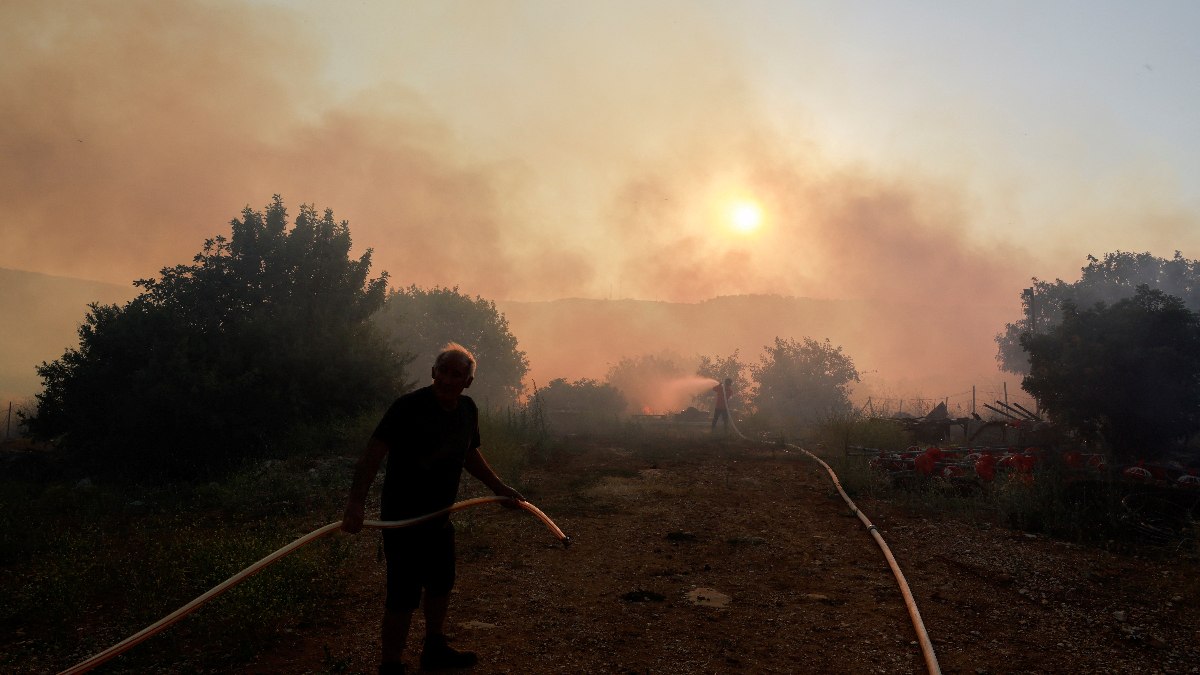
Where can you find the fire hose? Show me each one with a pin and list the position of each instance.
(163, 623)
(931, 662)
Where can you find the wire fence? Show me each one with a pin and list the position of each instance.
(972, 401)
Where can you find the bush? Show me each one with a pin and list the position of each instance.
(421, 321)
(801, 382)
(213, 361)
(582, 405)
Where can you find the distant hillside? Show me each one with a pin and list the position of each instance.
(904, 347)
(40, 317)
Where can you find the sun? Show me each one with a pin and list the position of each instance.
(745, 216)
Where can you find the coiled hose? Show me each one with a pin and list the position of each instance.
(163, 623)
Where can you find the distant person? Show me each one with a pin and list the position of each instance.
(721, 404)
(430, 436)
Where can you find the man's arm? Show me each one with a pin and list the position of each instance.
(364, 476)
(477, 466)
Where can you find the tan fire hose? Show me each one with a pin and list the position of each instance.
(931, 662)
(160, 625)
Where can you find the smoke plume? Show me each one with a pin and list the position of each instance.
(520, 152)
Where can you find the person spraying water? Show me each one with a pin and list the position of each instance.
(722, 393)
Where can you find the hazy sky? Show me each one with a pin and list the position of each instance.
(533, 150)
(941, 151)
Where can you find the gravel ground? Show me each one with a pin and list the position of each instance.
(708, 557)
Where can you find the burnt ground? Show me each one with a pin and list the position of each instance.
(661, 537)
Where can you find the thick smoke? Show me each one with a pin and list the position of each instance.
(136, 130)
(143, 128)
(539, 152)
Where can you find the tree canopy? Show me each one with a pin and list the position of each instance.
(1127, 373)
(799, 382)
(263, 332)
(421, 321)
(721, 367)
(1109, 279)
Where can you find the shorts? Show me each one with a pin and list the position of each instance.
(418, 558)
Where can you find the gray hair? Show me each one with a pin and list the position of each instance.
(453, 350)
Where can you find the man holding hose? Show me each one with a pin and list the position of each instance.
(429, 435)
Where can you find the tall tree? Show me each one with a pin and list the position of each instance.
(421, 322)
(1109, 279)
(263, 332)
(802, 382)
(1128, 373)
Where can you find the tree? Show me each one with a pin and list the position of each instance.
(264, 332)
(1128, 373)
(1107, 280)
(721, 367)
(421, 322)
(801, 382)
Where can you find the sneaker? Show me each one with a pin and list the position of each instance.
(437, 655)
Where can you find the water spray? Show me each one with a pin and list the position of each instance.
(165, 622)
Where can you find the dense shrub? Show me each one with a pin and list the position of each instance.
(580, 405)
(1128, 373)
(211, 361)
(421, 321)
(801, 382)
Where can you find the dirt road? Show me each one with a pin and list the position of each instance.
(705, 557)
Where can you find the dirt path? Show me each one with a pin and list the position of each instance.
(660, 537)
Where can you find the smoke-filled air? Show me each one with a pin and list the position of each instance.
(905, 169)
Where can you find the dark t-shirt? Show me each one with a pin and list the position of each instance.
(426, 450)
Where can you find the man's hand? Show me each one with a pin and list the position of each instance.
(506, 491)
